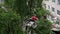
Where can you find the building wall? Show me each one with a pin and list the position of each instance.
(48, 5)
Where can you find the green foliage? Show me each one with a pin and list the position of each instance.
(9, 22)
(21, 7)
(9, 3)
(44, 27)
(42, 12)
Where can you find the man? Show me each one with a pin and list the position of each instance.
(32, 20)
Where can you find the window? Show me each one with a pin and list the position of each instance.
(53, 9)
(53, 0)
(59, 2)
(52, 18)
(48, 7)
(44, 5)
(58, 12)
(58, 22)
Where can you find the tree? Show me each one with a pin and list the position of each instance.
(43, 27)
(28, 8)
(9, 3)
(9, 22)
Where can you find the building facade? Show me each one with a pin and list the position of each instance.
(54, 8)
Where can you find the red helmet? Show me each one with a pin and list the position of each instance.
(34, 18)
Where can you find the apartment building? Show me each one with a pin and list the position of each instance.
(54, 8)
